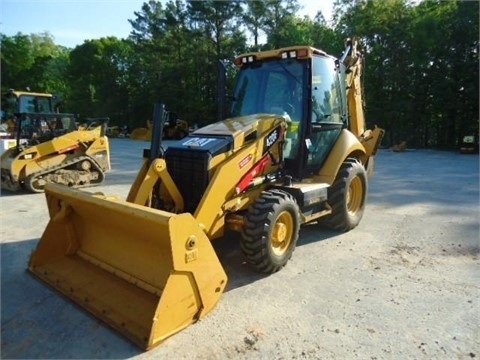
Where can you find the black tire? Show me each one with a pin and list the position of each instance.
(347, 196)
(269, 237)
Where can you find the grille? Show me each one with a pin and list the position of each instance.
(189, 170)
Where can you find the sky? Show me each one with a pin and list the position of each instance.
(71, 22)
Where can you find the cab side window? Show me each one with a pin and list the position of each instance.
(326, 97)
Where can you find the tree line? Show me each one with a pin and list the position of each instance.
(420, 80)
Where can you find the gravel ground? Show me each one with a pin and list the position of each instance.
(404, 284)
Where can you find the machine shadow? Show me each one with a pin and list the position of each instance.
(240, 272)
(39, 323)
(21, 192)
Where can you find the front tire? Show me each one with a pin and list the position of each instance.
(347, 196)
(271, 231)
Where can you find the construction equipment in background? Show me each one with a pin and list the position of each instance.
(50, 149)
(113, 131)
(173, 128)
(469, 144)
(110, 131)
(92, 122)
(295, 150)
(144, 134)
(399, 147)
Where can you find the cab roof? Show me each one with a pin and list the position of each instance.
(299, 52)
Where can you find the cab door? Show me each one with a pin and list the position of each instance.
(328, 112)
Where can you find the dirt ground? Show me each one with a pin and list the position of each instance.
(404, 284)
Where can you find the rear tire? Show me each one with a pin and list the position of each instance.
(271, 231)
(347, 196)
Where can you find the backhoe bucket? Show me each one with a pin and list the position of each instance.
(145, 272)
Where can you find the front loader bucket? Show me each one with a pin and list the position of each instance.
(145, 272)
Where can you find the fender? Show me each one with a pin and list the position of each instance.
(347, 145)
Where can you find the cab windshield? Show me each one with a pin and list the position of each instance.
(273, 87)
(34, 104)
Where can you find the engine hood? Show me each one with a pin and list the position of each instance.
(241, 128)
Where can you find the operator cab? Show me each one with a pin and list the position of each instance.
(32, 117)
(15, 102)
(303, 84)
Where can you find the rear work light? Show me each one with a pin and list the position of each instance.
(244, 60)
(292, 54)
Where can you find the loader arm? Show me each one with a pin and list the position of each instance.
(141, 190)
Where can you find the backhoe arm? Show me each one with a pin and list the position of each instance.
(353, 61)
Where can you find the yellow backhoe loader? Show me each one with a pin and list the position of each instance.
(294, 150)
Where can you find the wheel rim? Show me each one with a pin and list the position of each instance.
(355, 195)
(282, 233)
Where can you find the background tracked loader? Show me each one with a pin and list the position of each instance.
(50, 149)
(294, 150)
